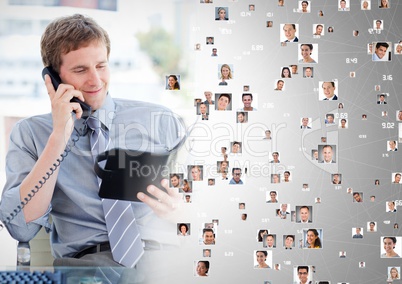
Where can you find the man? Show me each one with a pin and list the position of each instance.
(358, 234)
(247, 100)
(286, 176)
(267, 134)
(397, 178)
(302, 272)
(273, 199)
(328, 90)
(275, 178)
(279, 85)
(175, 181)
(392, 146)
(188, 198)
(305, 121)
(289, 241)
(275, 158)
(203, 111)
(294, 69)
(236, 147)
(380, 53)
(223, 102)
(223, 167)
(284, 211)
(399, 118)
(270, 241)
(78, 49)
(210, 40)
(357, 197)
(343, 123)
(342, 254)
(342, 6)
(327, 153)
(391, 206)
(315, 155)
(214, 52)
(336, 179)
(236, 173)
(208, 236)
(290, 32)
(304, 215)
(330, 119)
(318, 30)
(381, 100)
(208, 97)
(372, 227)
(308, 72)
(206, 253)
(378, 25)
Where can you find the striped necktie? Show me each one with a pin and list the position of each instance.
(124, 236)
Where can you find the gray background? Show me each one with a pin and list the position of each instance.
(360, 160)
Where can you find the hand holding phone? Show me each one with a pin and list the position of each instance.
(86, 109)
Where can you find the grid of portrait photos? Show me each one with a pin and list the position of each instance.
(294, 154)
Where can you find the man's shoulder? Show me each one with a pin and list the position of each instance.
(123, 104)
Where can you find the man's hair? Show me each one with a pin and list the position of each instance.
(234, 169)
(290, 236)
(67, 34)
(332, 83)
(226, 96)
(378, 21)
(305, 2)
(319, 25)
(302, 267)
(379, 44)
(305, 207)
(356, 193)
(293, 25)
(280, 81)
(287, 172)
(272, 191)
(372, 223)
(343, 120)
(175, 175)
(247, 94)
(273, 153)
(330, 115)
(397, 174)
(207, 230)
(327, 146)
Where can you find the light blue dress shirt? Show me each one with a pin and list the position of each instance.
(76, 210)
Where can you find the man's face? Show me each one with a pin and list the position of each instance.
(305, 121)
(327, 154)
(276, 178)
(237, 175)
(235, 148)
(224, 166)
(336, 178)
(304, 214)
(289, 31)
(270, 241)
(203, 109)
(304, 7)
(273, 196)
(391, 206)
(392, 144)
(400, 115)
(372, 226)
(294, 69)
(214, 51)
(279, 85)
(308, 72)
(209, 238)
(303, 274)
(268, 134)
(358, 231)
(87, 70)
(289, 242)
(174, 181)
(275, 156)
(330, 119)
(223, 103)
(287, 175)
(357, 197)
(397, 178)
(381, 51)
(318, 30)
(284, 207)
(247, 101)
(378, 25)
(343, 4)
(328, 89)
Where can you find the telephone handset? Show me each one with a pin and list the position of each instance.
(56, 82)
